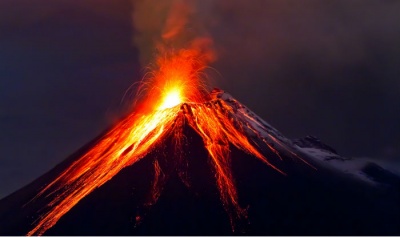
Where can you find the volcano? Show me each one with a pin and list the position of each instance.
(257, 182)
(187, 161)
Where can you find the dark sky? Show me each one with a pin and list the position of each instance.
(324, 68)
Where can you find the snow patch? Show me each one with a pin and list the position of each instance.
(348, 166)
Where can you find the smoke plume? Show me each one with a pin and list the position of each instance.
(172, 24)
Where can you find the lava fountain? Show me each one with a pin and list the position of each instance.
(173, 94)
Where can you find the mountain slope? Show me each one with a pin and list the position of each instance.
(315, 197)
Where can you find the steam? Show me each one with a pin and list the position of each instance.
(173, 24)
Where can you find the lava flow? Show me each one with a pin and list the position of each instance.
(175, 94)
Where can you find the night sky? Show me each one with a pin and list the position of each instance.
(323, 68)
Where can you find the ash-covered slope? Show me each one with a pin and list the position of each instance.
(325, 200)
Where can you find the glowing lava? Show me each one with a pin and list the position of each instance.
(172, 99)
(174, 95)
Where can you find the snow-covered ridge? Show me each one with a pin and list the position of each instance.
(373, 171)
(369, 170)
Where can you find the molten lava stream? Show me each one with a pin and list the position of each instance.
(136, 136)
(124, 145)
(174, 81)
(175, 95)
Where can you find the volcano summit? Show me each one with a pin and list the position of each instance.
(205, 168)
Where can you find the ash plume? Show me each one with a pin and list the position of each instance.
(170, 23)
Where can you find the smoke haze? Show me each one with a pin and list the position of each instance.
(160, 25)
(306, 67)
(325, 68)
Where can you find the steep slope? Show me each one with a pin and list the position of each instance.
(313, 197)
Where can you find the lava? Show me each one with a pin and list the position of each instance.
(174, 94)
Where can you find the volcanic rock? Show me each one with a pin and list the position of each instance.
(320, 192)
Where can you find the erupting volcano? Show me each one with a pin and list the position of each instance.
(175, 95)
(194, 152)
(174, 116)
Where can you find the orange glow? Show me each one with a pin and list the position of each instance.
(172, 99)
(174, 80)
(173, 95)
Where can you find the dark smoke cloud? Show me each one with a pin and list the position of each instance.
(166, 24)
(328, 68)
